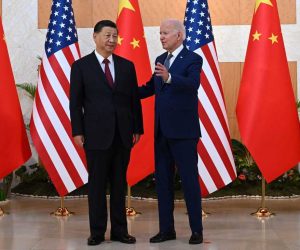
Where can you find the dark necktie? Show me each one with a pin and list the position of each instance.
(167, 61)
(108, 73)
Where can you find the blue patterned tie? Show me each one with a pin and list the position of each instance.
(167, 61)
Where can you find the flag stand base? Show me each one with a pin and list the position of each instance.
(263, 212)
(130, 211)
(62, 210)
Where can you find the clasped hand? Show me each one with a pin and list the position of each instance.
(161, 70)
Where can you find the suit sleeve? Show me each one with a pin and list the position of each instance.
(136, 106)
(76, 100)
(147, 89)
(192, 78)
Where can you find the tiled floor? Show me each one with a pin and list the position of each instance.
(229, 226)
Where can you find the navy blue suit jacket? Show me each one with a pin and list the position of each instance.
(176, 104)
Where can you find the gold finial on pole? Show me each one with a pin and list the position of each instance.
(130, 211)
(62, 210)
(263, 211)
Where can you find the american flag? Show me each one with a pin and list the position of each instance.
(50, 125)
(216, 166)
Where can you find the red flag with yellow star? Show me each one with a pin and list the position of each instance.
(266, 109)
(14, 146)
(132, 45)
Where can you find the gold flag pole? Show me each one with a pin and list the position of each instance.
(263, 211)
(130, 211)
(62, 210)
(1, 212)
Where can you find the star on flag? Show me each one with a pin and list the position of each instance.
(273, 38)
(259, 2)
(256, 36)
(125, 4)
(120, 40)
(135, 43)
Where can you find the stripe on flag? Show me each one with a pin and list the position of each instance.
(216, 166)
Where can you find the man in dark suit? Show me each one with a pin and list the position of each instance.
(175, 84)
(107, 121)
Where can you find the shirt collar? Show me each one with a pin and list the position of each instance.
(176, 51)
(101, 58)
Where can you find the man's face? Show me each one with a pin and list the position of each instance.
(106, 40)
(169, 37)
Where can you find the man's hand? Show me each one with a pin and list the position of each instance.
(161, 70)
(79, 140)
(136, 138)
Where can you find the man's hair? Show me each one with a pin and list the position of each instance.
(104, 23)
(178, 26)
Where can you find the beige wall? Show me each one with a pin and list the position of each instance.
(223, 12)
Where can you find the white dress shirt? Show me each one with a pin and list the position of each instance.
(110, 65)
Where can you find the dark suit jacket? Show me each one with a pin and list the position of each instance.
(96, 109)
(176, 104)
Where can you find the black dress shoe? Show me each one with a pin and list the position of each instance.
(93, 241)
(161, 237)
(124, 238)
(196, 238)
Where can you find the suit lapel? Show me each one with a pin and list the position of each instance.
(161, 59)
(178, 60)
(117, 70)
(99, 74)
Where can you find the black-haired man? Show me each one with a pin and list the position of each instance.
(107, 121)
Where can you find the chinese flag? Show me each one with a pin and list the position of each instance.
(132, 45)
(14, 146)
(266, 108)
